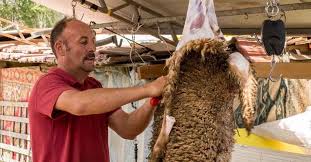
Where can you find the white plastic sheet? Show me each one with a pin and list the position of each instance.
(294, 130)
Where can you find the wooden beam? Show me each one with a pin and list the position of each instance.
(303, 48)
(18, 39)
(245, 31)
(145, 21)
(119, 7)
(257, 10)
(3, 64)
(10, 64)
(127, 21)
(160, 18)
(151, 71)
(19, 43)
(103, 5)
(6, 21)
(289, 70)
(122, 28)
(150, 11)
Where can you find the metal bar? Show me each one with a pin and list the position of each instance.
(155, 13)
(256, 10)
(163, 19)
(119, 7)
(146, 21)
(128, 39)
(105, 41)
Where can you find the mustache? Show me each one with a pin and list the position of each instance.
(90, 56)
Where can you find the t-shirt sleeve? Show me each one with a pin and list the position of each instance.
(48, 89)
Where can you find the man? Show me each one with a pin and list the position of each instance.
(70, 112)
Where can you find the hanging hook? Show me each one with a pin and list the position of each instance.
(273, 64)
(115, 41)
(73, 4)
(246, 16)
(272, 8)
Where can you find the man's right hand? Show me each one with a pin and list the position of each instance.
(155, 88)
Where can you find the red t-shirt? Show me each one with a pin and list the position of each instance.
(57, 136)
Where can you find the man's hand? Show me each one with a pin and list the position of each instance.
(155, 88)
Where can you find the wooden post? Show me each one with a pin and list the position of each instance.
(289, 70)
(151, 71)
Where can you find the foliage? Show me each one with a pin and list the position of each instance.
(28, 13)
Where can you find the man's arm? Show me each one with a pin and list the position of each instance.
(102, 100)
(128, 126)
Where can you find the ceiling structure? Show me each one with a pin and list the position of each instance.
(168, 16)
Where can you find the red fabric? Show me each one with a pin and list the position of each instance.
(58, 136)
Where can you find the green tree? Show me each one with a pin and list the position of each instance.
(28, 13)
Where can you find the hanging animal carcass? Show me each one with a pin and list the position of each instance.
(199, 95)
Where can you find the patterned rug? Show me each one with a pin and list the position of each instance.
(278, 100)
(15, 87)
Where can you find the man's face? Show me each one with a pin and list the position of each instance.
(79, 42)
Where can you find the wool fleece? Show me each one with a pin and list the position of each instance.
(199, 95)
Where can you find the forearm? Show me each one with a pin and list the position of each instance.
(101, 100)
(140, 118)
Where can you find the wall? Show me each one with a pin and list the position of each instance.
(122, 150)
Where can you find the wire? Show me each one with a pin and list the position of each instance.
(148, 49)
(161, 38)
(73, 4)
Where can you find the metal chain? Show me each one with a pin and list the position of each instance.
(73, 4)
